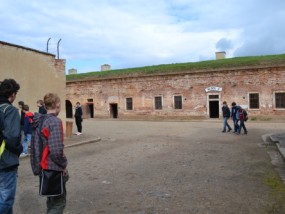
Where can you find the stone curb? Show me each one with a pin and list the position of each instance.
(74, 145)
(278, 139)
(83, 142)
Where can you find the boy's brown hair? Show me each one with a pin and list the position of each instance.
(41, 102)
(25, 108)
(50, 101)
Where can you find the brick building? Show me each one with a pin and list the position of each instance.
(182, 94)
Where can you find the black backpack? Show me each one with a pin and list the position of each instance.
(3, 108)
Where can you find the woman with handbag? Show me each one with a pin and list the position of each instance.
(47, 157)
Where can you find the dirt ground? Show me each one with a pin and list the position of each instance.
(165, 167)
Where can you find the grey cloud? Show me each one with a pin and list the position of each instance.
(263, 38)
(224, 44)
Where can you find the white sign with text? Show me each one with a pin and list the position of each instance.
(213, 88)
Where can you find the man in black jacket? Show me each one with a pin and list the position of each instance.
(226, 115)
(78, 118)
(11, 147)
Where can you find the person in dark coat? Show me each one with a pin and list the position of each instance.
(78, 118)
(10, 134)
(233, 116)
(42, 109)
(226, 115)
(22, 114)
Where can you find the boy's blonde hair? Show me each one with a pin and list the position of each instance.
(50, 101)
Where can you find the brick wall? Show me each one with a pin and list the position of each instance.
(235, 85)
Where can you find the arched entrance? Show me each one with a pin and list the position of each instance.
(68, 109)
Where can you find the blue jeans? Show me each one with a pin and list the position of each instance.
(8, 181)
(27, 139)
(236, 126)
(226, 124)
(241, 125)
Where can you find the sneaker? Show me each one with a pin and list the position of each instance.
(78, 133)
(223, 131)
(23, 155)
(229, 130)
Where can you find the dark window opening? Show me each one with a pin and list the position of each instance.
(90, 100)
(254, 101)
(158, 103)
(177, 102)
(129, 103)
(213, 97)
(280, 100)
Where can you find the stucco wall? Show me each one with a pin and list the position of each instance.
(37, 73)
(235, 85)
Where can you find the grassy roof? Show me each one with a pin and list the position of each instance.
(269, 60)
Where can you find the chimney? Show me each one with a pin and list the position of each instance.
(221, 55)
(72, 71)
(105, 67)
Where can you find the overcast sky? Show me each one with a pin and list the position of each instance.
(134, 33)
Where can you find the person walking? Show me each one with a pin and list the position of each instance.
(49, 128)
(226, 115)
(11, 147)
(234, 118)
(27, 130)
(242, 117)
(78, 118)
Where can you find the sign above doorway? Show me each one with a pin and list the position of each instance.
(213, 88)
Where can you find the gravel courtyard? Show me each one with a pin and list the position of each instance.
(153, 167)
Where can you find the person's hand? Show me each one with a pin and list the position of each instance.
(65, 172)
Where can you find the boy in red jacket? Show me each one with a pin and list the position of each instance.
(52, 157)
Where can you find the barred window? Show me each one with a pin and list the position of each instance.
(129, 103)
(158, 103)
(254, 101)
(213, 96)
(279, 100)
(177, 102)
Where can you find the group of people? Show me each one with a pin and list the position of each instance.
(238, 115)
(44, 125)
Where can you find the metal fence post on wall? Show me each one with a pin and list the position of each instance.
(58, 48)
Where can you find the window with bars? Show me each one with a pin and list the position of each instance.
(177, 102)
(213, 97)
(254, 101)
(158, 103)
(129, 103)
(280, 100)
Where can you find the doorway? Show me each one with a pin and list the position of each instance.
(68, 109)
(91, 109)
(114, 110)
(214, 109)
(214, 100)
